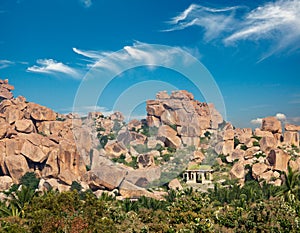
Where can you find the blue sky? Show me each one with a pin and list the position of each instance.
(250, 48)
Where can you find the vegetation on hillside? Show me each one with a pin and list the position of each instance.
(252, 208)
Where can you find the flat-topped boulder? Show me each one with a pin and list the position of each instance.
(271, 124)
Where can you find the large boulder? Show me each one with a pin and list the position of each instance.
(278, 159)
(115, 149)
(291, 138)
(237, 171)
(267, 143)
(129, 190)
(242, 134)
(17, 166)
(51, 168)
(5, 89)
(3, 129)
(33, 153)
(41, 113)
(271, 124)
(258, 169)
(145, 160)
(5, 182)
(175, 185)
(169, 136)
(144, 176)
(291, 127)
(109, 177)
(24, 126)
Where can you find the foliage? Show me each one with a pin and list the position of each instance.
(30, 180)
(76, 186)
(254, 207)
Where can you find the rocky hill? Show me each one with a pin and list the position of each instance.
(104, 154)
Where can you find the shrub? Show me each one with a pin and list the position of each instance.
(76, 186)
(30, 180)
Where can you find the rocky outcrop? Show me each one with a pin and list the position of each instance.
(169, 136)
(278, 159)
(271, 124)
(5, 90)
(188, 117)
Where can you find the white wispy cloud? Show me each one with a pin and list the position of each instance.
(214, 21)
(277, 21)
(138, 52)
(86, 3)
(50, 66)
(96, 55)
(5, 63)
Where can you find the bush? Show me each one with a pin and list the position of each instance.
(30, 180)
(76, 186)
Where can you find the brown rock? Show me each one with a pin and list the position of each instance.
(249, 153)
(243, 134)
(70, 160)
(162, 95)
(260, 133)
(13, 146)
(258, 169)
(169, 136)
(144, 176)
(129, 190)
(51, 168)
(228, 134)
(17, 166)
(152, 143)
(291, 138)
(295, 165)
(108, 176)
(5, 182)
(228, 147)
(138, 138)
(145, 160)
(41, 113)
(198, 156)
(117, 116)
(250, 141)
(3, 129)
(2, 158)
(134, 124)
(175, 185)
(13, 114)
(237, 171)
(291, 127)
(271, 124)
(182, 95)
(154, 108)
(267, 143)
(168, 117)
(54, 184)
(237, 154)
(153, 121)
(67, 177)
(267, 176)
(32, 152)
(24, 126)
(278, 159)
(115, 149)
(191, 141)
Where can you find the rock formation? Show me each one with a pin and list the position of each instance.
(106, 155)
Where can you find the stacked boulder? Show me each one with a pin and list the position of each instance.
(265, 151)
(181, 120)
